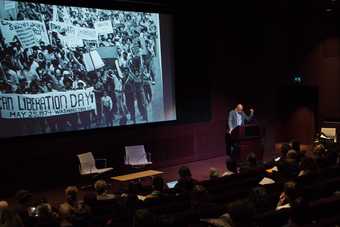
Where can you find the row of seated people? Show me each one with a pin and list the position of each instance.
(303, 191)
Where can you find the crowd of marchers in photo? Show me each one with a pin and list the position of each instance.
(122, 89)
(302, 189)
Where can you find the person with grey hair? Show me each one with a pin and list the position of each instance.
(237, 117)
(102, 192)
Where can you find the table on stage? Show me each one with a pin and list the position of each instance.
(137, 176)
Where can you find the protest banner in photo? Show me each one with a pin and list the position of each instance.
(24, 29)
(108, 52)
(103, 27)
(8, 9)
(68, 33)
(21, 106)
(93, 61)
(26, 37)
(86, 33)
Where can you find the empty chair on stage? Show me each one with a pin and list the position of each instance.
(88, 165)
(136, 156)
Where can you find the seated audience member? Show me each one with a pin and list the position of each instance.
(299, 214)
(8, 218)
(213, 174)
(157, 188)
(251, 164)
(24, 203)
(3, 204)
(260, 200)
(308, 167)
(289, 168)
(199, 197)
(288, 195)
(72, 209)
(71, 197)
(185, 182)
(295, 145)
(242, 211)
(285, 147)
(231, 167)
(320, 155)
(102, 190)
(46, 217)
(130, 201)
(284, 150)
(144, 218)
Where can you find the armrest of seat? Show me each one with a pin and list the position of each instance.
(101, 163)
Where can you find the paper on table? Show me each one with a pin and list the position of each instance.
(266, 181)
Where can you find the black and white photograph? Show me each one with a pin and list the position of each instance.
(69, 68)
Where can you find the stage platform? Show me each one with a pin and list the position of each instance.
(199, 171)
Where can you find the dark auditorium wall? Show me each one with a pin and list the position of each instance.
(315, 52)
(322, 67)
(221, 58)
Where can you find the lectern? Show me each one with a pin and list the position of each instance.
(244, 140)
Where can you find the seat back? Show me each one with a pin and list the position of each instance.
(135, 155)
(87, 162)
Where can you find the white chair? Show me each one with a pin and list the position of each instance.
(135, 156)
(88, 165)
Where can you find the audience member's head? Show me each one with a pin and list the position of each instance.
(251, 159)
(158, 184)
(290, 190)
(284, 150)
(23, 197)
(288, 195)
(185, 183)
(308, 166)
(102, 191)
(213, 174)
(3, 204)
(44, 210)
(291, 155)
(184, 172)
(295, 145)
(71, 194)
(100, 186)
(46, 217)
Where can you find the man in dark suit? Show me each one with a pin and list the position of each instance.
(237, 117)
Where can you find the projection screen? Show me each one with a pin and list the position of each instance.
(68, 68)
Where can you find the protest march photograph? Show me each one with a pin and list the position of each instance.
(69, 68)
